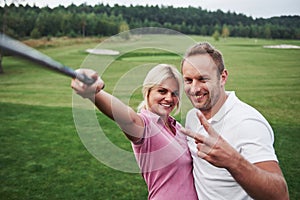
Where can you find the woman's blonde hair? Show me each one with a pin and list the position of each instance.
(155, 77)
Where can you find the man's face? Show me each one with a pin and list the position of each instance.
(202, 82)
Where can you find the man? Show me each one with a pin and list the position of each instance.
(232, 151)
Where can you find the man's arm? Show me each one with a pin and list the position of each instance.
(262, 180)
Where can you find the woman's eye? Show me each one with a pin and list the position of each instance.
(175, 94)
(162, 91)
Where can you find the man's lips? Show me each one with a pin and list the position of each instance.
(199, 97)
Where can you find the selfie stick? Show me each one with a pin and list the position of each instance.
(17, 48)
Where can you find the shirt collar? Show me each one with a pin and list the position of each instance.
(229, 103)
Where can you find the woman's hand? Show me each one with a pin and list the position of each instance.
(87, 91)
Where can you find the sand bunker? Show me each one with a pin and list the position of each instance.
(102, 52)
(283, 46)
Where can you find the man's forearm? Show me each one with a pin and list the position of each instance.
(262, 180)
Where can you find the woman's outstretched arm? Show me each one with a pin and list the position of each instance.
(128, 120)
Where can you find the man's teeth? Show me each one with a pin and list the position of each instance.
(199, 96)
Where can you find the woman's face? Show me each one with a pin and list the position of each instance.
(163, 98)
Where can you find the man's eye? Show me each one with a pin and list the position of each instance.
(203, 80)
(188, 80)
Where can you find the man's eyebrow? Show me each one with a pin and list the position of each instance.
(197, 77)
(203, 77)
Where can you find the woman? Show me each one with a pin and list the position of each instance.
(160, 149)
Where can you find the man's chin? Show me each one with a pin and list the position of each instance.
(198, 105)
(201, 107)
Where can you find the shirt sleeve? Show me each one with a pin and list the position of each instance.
(146, 122)
(256, 140)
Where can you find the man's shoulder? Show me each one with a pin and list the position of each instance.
(246, 109)
(242, 111)
(191, 118)
(192, 112)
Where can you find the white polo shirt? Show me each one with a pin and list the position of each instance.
(247, 131)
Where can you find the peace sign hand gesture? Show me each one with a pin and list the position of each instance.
(213, 148)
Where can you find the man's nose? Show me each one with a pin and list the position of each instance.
(195, 87)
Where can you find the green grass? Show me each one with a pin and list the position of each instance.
(43, 157)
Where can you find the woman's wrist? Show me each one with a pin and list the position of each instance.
(99, 88)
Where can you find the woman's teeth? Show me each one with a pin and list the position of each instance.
(166, 105)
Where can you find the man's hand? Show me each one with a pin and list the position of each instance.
(213, 148)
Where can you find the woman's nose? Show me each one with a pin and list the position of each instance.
(168, 96)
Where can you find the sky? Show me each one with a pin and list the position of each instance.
(253, 8)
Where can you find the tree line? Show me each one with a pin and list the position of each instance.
(103, 20)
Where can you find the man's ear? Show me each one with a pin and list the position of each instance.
(224, 77)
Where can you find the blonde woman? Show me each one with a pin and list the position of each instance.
(160, 149)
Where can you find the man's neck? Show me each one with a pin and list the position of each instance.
(211, 112)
